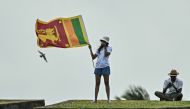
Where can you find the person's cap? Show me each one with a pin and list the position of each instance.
(105, 38)
(173, 73)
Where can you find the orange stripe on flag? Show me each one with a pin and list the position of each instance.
(71, 33)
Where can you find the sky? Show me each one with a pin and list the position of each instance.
(148, 38)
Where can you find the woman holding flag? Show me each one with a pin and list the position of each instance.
(102, 66)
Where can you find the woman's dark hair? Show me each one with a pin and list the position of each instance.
(100, 48)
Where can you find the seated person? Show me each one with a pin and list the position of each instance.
(172, 88)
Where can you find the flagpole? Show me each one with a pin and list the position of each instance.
(91, 54)
(93, 63)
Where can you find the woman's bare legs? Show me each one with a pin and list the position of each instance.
(98, 80)
(107, 86)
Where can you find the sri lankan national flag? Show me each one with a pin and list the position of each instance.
(61, 32)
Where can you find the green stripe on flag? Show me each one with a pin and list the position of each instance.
(78, 30)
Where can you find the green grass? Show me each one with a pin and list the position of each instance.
(9, 101)
(119, 104)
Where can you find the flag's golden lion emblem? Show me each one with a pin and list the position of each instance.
(48, 34)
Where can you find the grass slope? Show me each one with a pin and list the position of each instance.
(119, 104)
(9, 101)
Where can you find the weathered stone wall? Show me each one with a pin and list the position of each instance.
(28, 104)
